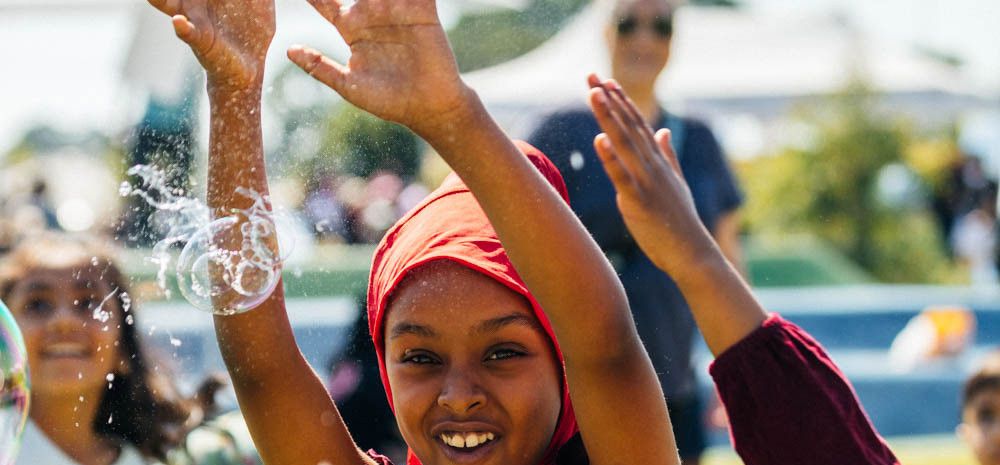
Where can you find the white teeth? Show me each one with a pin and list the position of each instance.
(466, 440)
(61, 349)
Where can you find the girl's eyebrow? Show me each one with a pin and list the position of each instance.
(495, 324)
(404, 327)
(38, 286)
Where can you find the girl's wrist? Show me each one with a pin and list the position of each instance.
(443, 129)
(699, 263)
(224, 94)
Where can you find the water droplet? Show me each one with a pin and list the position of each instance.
(125, 189)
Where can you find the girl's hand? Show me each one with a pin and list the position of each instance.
(652, 195)
(401, 66)
(229, 38)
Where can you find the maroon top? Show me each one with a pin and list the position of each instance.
(789, 404)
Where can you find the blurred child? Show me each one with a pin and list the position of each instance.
(980, 427)
(97, 396)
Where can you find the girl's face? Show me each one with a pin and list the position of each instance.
(474, 378)
(68, 349)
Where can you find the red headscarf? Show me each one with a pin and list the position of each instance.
(450, 225)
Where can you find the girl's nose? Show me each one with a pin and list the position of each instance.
(67, 317)
(461, 392)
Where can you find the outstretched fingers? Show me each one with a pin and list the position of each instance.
(168, 7)
(617, 173)
(321, 68)
(615, 127)
(185, 29)
(636, 128)
(664, 141)
(329, 9)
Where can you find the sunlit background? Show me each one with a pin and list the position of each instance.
(866, 136)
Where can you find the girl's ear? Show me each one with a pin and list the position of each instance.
(963, 431)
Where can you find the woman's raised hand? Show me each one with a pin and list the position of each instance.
(229, 38)
(401, 66)
(652, 195)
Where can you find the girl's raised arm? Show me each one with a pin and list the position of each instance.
(291, 417)
(659, 211)
(402, 69)
(786, 400)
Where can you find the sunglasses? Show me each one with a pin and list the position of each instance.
(660, 25)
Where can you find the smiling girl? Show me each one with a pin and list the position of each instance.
(474, 369)
(97, 398)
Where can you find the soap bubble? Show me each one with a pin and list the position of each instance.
(15, 389)
(226, 267)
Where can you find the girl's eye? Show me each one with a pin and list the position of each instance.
(503, 354)
(418, 358)
(986, 416)
(38, 307)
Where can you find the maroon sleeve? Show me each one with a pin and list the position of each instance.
(789, 404)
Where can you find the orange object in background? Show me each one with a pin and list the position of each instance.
(938, 332)
(954, 327)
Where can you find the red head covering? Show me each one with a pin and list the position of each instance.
(450, 225)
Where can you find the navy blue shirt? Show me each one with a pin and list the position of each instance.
(662, 316)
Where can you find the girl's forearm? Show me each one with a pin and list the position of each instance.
(720, 300)
(259, 343)
(289, 413)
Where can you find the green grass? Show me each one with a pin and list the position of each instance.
(799, 260)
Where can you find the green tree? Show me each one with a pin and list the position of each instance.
(829, 189)
(358, 143)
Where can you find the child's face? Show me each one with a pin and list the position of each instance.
(980, 426)
(68, 350)
(468, 362)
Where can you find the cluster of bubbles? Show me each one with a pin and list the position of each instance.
(15, 389)
(227, 265)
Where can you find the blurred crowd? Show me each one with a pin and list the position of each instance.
(967, 214)
(334, 206)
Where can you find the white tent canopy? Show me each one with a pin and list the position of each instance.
(720, 53)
